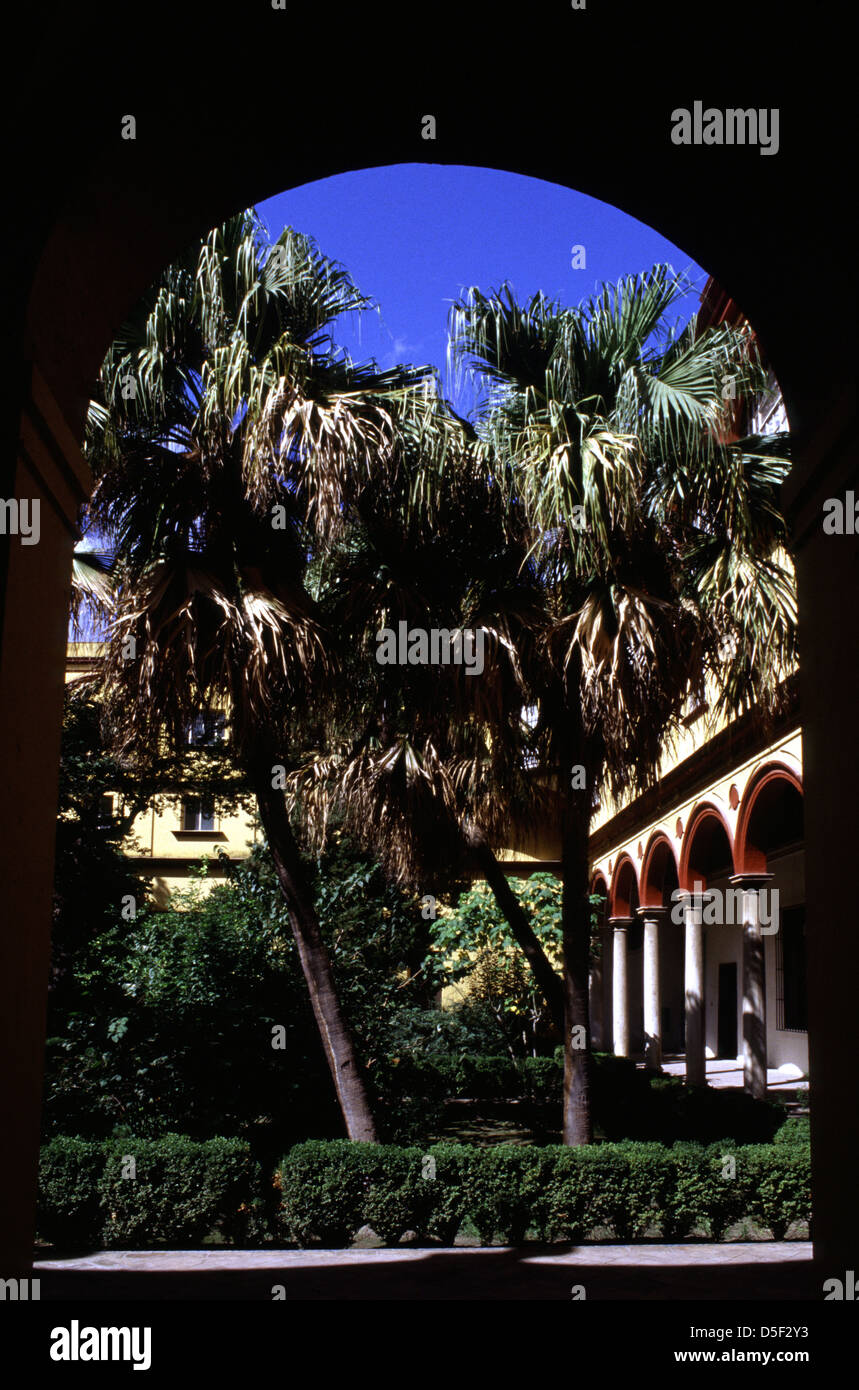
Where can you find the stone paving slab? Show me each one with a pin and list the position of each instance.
(736, 1252)
(726, 1074)
(736, 1271)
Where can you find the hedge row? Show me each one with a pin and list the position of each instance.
(183, 1192)
(628, 1103)
(627, 1191)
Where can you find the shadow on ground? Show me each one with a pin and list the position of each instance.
(530, 1273)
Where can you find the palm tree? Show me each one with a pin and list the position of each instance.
(92, 586)
(226, 432)
(659, 546)
(426, 764)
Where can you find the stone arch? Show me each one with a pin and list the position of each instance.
(659, 870)
(599, 884)
(708, 847)
(623, 898)
(771, 815)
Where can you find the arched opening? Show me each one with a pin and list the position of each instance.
(770, 842)
(626, 958)
(706, 866)
(73, 303)
(659, 877)
(771, 822)
(600, 984)
(706, 855)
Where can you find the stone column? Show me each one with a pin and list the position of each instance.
(607, 990)
(595, 994)
(754, 985)
(620, 992)
(696, 1069)
(652, 917)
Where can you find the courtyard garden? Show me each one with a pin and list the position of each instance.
(262, 1056)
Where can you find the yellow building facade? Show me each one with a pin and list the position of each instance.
(169, 841)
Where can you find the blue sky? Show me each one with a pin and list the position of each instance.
(414, 235)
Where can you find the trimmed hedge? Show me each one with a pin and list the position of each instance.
(68, 1211)
(184, 1192)
(627, 1191)
(187, 1192)
(628, 1103)
(795, 1130)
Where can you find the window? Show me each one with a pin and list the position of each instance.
(207, 728)
(198, 814)
(791, 1005)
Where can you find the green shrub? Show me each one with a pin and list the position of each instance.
(542, 1078)
(398, 1197)
(449, 1189)
(779, 1192)
(322, 1186)
(795, 1130)
(69, 1202)
(629, 1103)
(409, 1096)
(183, 1192)
(555, 1193)
(187, 1192)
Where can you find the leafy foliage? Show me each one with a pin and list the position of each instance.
(183, 1193)
(507, 1193)
(172, 1015)
(475, 947)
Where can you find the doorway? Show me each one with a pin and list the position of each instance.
(727, 1037)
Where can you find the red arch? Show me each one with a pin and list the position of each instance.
(599, 883)
(748, 858)
(621, 904)
(651, 893)
(703, 812)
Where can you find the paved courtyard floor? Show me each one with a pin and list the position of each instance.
(725, 1073)
(738, 1271)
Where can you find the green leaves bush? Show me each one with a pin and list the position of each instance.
(628, 1103)
(509, 1193)
(68, 1211)
(324, 1191)
(184, 1193)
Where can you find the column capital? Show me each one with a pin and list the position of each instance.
(750, 881)
(652, 914)
(690, 899)
(621, 923)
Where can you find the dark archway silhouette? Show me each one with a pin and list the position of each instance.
(98, 219)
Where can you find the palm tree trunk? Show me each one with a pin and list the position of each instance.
(315, 961)
(576, 924)
(548, 980)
